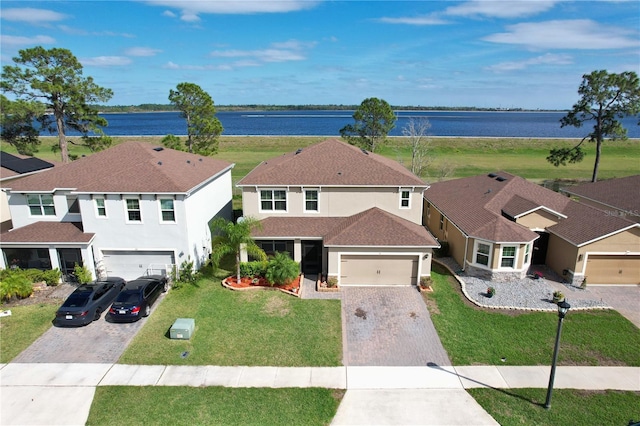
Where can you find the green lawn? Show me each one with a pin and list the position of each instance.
(23, 327)
(475, 336)
(213, 406)
(240, 328)
(568, 406)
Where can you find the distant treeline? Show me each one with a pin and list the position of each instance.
(255, 107)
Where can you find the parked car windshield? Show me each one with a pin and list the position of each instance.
(77, 299)
(128, 296)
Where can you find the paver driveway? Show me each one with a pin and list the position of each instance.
(388, 326)
(98, 342)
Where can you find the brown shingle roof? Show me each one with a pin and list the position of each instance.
(128, 167)
(376, 227)
(373, 227)
(331, 163)
(475, 205)
(621, 193)
(47, 232)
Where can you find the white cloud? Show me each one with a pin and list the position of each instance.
(142, 51)
(18, 41)
(291, 50)
(547, 59)
(106, 61)
(413, 20)
(566, 34)
(500, 8)
(189, 10)
(31, 15)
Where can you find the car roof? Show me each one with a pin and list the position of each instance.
(136, 284)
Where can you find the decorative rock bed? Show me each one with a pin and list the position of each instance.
(259, 283)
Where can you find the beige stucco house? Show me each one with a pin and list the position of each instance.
(501, 226)
(341, 211)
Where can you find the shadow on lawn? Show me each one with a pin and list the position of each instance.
(434, 365)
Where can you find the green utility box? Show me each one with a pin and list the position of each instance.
(182, 328)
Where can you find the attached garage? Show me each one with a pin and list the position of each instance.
(133, 264)
(613, 269)
(384, 270)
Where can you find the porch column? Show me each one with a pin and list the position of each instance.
(88, 261)
(55, 261)
(297, 250)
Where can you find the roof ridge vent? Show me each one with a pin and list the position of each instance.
(492, 175)
(158, 149)
(298, 151)
(501, 179)
(364, 151)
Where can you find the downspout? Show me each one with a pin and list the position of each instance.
(466, 245)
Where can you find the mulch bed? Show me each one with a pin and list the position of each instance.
(260, 283)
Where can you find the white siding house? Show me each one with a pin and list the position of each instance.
(131, 210)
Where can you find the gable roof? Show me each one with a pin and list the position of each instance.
(130, 167)
(620, 193)
(480, 207)
(371, 228)
(331, 163)
(17, 165)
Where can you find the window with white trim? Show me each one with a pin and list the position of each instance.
(405, 199)
(273, 200)
(311, 200)
(527, 252)
(167, 211)
(441, 221)
(41, 205)
(508, 258)
(483, 253)
(101, 207)
(133, 210)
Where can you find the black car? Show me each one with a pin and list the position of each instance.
(136, 298)
(88, 302)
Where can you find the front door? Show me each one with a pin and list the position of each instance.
(540, 249)
(311, 257)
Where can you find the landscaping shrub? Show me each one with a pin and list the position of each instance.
(50, 276)
(252, 269)
(83, 275)
(15, 284)
(282, 269)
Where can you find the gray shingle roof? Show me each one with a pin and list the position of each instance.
(130, 167)
(331, 163)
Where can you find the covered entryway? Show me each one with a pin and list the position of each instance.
(613, 269)
(133, 264)
(311, 257)
(378, 270)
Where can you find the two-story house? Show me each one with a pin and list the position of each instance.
(130, 210)
(501, 226)
(341, 211)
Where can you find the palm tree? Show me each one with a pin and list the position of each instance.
(232, 238)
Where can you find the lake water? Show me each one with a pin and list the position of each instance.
(329, 123)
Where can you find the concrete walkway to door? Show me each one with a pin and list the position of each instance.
(388, 326)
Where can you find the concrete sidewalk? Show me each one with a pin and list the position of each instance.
(62, 393)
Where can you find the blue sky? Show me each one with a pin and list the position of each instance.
(505, 54)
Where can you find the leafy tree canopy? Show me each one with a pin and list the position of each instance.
(605, 98)
(374, 119)
(54, 79)
(197, 108)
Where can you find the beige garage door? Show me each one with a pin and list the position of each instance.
(609, 269)
(378, 270)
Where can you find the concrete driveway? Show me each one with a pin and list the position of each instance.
(388, 326)
(98, 342)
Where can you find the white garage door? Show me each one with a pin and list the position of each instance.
(378, 270)
(133, 264)
(613, 269)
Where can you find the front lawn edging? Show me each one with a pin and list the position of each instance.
(226, 283)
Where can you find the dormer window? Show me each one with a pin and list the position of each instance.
(41, 205)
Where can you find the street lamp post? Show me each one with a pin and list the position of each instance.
(563, 307)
